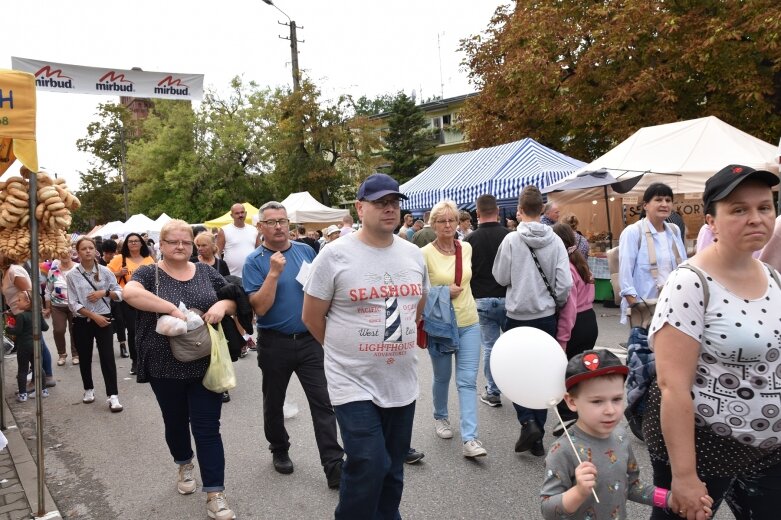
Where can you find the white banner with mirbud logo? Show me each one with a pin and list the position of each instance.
(78, 79)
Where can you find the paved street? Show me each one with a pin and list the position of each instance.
(101, 465)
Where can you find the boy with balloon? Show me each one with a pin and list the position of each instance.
(591, 472)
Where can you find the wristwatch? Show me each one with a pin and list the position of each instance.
(108, 293)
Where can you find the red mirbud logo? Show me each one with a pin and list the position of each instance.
(113, 82)
(172, 87)
(52, 78)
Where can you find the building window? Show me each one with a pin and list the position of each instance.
(446, 120)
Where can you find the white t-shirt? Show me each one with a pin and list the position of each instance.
(13, 296)
(370, 336)
(737, 388)
(239, 243)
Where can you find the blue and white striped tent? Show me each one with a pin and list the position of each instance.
(424, 190)
(533, 164)
(500, 170)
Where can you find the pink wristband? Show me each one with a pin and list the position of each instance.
(660, 498)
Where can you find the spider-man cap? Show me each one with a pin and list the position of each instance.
(593, 363)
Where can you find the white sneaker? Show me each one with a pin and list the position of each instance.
(474, 448)
(217, 508)
(44, 393)
(185, 482)
(89, 396)
(442, 427)
(113, 404)
(22, 398)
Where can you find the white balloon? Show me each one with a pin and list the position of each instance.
(528, 366)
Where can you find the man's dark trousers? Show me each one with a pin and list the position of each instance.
(279, 356)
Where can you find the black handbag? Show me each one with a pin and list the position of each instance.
(192, 345)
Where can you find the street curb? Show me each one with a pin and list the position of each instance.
(26, 469)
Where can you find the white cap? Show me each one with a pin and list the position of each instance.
(332, 229)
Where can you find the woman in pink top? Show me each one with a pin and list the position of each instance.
(577, 329)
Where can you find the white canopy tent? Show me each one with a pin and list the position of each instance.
(139, 223)
(303, 208)
(683, 155)
(115, 227)
(159, 223)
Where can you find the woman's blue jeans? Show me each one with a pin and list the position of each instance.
(467, 364)
(546, 324)
(376, 440)
(186, 404)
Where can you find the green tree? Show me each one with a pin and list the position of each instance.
(317, 145)
(408, 142)
(107, 139)
(582, 76)
(101, 200)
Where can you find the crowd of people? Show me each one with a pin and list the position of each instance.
(348, 309)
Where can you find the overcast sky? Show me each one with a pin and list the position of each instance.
(350, 46)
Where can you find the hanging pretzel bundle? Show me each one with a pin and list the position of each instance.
(53, 206)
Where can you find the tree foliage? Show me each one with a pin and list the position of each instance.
(101, 199)
(321, 146)
(408, 142)
(253, 144)
(582, 76)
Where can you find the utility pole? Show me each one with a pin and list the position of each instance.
(293, 45)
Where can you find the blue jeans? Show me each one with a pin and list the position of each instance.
(492, 321)
(186, 404)
(467, 363)
(546, 324)
(376, 440)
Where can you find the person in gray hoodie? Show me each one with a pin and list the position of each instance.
(533, 263)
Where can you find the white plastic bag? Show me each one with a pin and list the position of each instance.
(169, 326)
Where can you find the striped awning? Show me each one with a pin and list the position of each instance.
(502, 171)
(533, 164)
(475, 178)
(424, 190)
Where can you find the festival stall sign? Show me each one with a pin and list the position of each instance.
(78, 79)
(17, 120)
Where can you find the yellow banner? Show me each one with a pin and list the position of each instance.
(17, 120)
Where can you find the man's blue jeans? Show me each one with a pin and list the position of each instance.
(187, 404)
(546, 324)
(467, 361)
(376, 440)
(492, 321)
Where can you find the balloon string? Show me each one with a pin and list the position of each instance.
(573, 447)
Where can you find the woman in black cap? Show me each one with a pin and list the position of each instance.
(713, 421)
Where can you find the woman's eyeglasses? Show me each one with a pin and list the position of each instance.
(179, 243)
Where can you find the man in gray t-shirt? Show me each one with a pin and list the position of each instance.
(362, 301)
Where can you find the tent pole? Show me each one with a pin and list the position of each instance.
(607, 208)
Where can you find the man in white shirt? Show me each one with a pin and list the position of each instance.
(347, 225)
(237, 240)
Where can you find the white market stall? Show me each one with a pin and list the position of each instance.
(683, 155)
(303, 208)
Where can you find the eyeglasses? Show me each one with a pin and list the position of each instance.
(133, 241)
(384, 203)
(449, 221)
(179, 243)
(284, 222)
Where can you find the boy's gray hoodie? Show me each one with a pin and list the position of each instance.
(527, 297)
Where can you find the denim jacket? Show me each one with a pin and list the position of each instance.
(439, 320)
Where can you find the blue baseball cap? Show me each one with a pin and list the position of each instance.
(377, 185)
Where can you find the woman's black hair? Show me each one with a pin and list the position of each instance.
(657, 189)
(126, 249)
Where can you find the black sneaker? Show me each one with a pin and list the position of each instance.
(226, 397)
(413, 456)
(133, 369)
(538, 450)
(530, 434)
(491, 400)
(282, 462)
